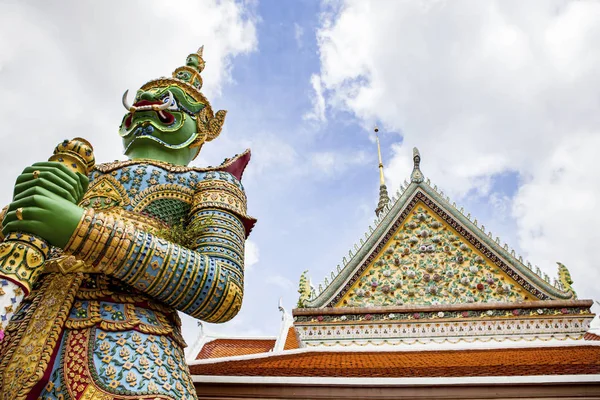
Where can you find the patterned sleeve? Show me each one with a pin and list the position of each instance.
(205, 282)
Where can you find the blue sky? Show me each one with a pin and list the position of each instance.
(309, 219)
(500, 97)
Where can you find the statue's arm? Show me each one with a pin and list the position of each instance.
(205, 282)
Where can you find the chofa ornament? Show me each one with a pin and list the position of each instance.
(92, 255)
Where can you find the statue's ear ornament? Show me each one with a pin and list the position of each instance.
(209, 125)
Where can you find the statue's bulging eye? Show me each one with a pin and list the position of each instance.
(173, 105)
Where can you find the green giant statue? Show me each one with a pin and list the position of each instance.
(97, 259)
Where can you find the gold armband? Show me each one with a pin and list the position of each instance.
(101, 241)
(219, 194)
(80, 232)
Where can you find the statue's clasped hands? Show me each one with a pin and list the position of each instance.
(45, 202)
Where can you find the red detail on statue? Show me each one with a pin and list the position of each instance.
(237, 167)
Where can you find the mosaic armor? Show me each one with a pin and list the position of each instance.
(101, 322)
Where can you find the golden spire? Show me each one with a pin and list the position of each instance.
(381, 179)
(384, 199)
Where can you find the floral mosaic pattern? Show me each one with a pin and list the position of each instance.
(125, 365)
(445, 315)
(426, 262)
(140, 363)
(12, 294)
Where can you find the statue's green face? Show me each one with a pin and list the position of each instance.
(173, 127)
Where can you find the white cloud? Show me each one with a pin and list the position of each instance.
(482, 88)
(556, 210)
(324, 161)
(251, 255)
(331, 163)
(499, 203)
(318, 112)
(65, 68)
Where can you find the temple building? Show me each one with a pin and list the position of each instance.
(427, 305)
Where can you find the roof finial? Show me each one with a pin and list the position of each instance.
(280, 307)
(381, 178)
(416, 176)
(384, 199)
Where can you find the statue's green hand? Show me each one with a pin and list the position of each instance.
(54, 177)
(45, 214)
(51, 183)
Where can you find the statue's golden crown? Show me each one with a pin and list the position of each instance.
(188, 78)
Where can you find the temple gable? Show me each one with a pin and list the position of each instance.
(427, 262)
(424, 251)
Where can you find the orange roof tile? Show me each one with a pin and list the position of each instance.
(591, 336)
(291, 341)
(234, 347)
(499, 362)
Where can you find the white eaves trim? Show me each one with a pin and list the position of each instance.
(215, 337)
(491, 345)
(286, 323)
(426, 381)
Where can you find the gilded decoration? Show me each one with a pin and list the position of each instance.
(303, 289)
(220, 194)
(564, 278)
(21, 257)
(109, 167)
(109, 190)
(26, 355)
(427, 262)
(160, 192)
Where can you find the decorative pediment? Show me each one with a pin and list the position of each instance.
(427, 262)
(424, 251)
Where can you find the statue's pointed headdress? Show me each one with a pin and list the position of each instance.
(188, 79)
